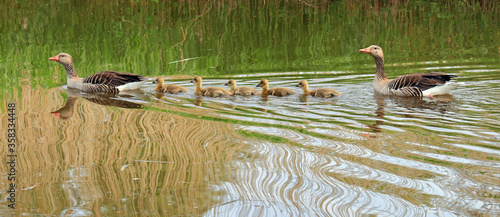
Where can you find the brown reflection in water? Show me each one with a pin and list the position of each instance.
(379, 114)
(159, 95)
(198, 101)
(303, 98)
(107, 160)
(441, 103)
(66, 111)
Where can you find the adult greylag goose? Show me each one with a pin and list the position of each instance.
(171, 88)
(418, 84)
(209, 91)
(243, 91)
(105, 81)
(320, 92)
(276, 91)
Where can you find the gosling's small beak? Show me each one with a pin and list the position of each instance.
(297, 85)
(258, 85)
(191, 81)
(226, 84)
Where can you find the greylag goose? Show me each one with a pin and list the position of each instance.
(209, 91)
(243, 91)
(418, 84)
(105, 81)
(276, 91)
(171, 88)
(321, 92)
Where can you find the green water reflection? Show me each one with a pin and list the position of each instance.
(226, 38)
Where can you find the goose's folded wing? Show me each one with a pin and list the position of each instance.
(112, 78)
(422, 81)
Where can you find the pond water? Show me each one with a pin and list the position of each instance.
(142, 153)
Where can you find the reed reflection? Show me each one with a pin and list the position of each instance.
(107, 159)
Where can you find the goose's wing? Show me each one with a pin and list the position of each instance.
(112, 78)
(422, 81)
(414, 84)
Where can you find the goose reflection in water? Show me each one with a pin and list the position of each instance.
(416, 107)
(66, 112)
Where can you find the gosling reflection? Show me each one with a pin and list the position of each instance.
(416, 106)
(67, 111)
(198, 101)
(159, 95)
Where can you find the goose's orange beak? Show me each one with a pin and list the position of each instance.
(366, 50)
(55, 58)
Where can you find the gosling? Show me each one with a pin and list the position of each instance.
(209, 91)
(321, 92)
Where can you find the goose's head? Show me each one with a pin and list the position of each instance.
(374, 50)
(231, 83)
(263, 83)
(197, 81)
(62, 58)
(158, 81)
(303, 85)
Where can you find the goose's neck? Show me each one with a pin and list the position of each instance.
(160, 84)
(70, 71)
(197, 87)
(380, 75)
(265, 88)
(70, 104)
(306, 90)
